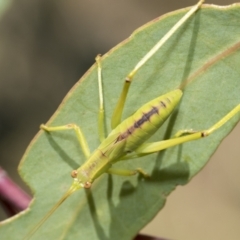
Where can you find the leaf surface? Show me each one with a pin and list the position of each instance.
(118, 207)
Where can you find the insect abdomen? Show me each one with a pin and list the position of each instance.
(146, 121)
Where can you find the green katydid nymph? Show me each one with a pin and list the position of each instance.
(127, 140)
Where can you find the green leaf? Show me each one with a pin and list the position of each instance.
(118, 207)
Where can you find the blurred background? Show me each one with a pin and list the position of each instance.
(46, 46)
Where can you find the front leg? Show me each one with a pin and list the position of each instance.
(127, 172)
(81, 139)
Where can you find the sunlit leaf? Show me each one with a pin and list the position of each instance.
(118, 207)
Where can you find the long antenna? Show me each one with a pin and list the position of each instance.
(70, 191)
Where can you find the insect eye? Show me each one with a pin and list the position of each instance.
(74, 174)
(87, 185)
